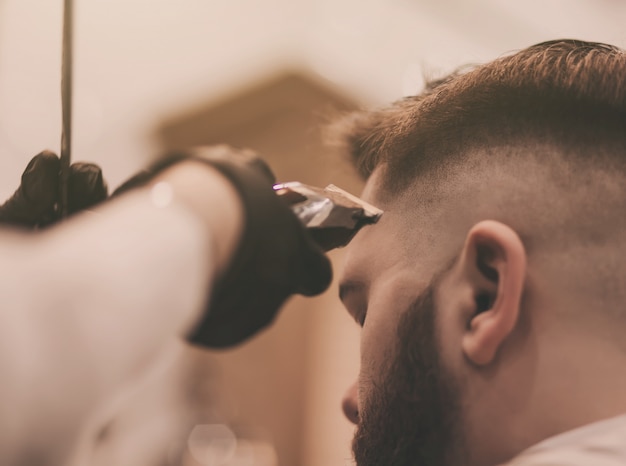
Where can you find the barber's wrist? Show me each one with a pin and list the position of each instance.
(211, 196)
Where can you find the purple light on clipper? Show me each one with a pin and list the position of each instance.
(331, 215)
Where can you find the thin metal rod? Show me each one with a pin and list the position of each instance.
(66, 103)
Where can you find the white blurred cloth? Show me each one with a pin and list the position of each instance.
(86, 307)
(601, 443)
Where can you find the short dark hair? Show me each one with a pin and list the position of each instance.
(568, 93)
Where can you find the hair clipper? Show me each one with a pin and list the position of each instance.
(331, 215)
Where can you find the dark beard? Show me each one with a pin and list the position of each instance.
(410, 417)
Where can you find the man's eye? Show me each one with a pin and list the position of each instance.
(360, 316)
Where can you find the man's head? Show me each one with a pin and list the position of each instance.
(494, 283)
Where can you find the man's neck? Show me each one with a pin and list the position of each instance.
(578, 380)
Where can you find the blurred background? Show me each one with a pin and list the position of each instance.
(266, 74)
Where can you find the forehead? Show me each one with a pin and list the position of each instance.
(402, 243)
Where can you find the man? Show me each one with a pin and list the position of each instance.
(491, 293)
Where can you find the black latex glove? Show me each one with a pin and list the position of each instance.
(276, 257)
(35, 202)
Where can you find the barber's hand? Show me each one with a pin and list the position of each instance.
(35, 202)
(276, 257)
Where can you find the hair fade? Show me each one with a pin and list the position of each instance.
(566, 91)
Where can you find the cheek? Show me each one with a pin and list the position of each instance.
(379, 338)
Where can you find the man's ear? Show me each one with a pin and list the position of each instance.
(493, 266)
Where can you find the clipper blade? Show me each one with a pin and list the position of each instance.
(331, 215)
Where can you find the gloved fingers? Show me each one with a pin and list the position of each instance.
(86, 186)
(314, 272)
(34, 203)
(34, 200)
(230, 331)
(263, 168)
(40, 180)
(232, 322)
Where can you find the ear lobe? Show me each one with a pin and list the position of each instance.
(493, 263)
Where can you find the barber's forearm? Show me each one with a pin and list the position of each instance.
(139, 271)
(106, 294)
(213, 199)
(110, 289)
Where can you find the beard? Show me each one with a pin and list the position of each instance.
(412, 417)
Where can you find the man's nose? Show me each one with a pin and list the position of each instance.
(350, 404)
